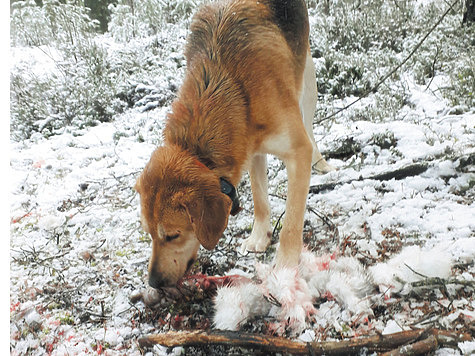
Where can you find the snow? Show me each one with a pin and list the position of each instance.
(391, 328)
(77, 252)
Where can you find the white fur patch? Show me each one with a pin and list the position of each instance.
(288, 294)
(234, 305)
(410, 265)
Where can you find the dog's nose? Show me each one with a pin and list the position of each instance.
(155, 280)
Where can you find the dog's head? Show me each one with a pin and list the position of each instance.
(181, 207)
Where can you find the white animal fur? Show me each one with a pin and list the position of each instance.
(410, 265)
(288, 294)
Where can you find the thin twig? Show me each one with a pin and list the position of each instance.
(326, 220)
(412, 270)
(277, 224)
(433, 68)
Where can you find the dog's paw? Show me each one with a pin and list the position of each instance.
(323, 167)
(255, 243)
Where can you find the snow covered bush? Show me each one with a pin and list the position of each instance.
(357, 43)
(63, 23)
(463, 82)
(143, 18)
(28, 24)
(80, 92)
(92, 79)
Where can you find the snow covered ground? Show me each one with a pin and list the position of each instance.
(77, 252)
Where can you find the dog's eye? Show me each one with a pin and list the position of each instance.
(169, 238)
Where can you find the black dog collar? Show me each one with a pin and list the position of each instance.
(228, 189)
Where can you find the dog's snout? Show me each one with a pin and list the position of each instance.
(155, 280)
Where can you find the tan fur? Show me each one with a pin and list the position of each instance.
(240, 100)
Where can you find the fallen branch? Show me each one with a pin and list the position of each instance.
(422, 347)
(410, 170)
(436, 281)
(401, 173)
(398, 174)
(376, 343)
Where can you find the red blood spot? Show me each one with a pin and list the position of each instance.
(38, 164)
(14, 307)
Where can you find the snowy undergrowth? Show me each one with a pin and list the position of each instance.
(77, 252)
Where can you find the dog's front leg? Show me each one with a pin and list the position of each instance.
(298, 163)
(260, 235)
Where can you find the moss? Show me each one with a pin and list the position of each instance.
(66, 319)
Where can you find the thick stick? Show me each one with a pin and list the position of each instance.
(378, 343)
(410, 170)
(229, 338)
(422, 347)
(397, 174)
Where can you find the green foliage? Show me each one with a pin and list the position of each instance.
(341, 79)
(356, 39)
(462, 78)
(99, 10)
(385, 140)
(89, 83)
(66, 319)
(81, 91)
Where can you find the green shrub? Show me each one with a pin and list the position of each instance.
(81, 91)
(462, 79)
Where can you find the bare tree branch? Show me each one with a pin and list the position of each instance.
(376, 343)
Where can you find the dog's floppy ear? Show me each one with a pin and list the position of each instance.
(208, 212)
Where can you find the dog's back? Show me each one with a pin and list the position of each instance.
(292, 19)
(234, 31)
(243, 57)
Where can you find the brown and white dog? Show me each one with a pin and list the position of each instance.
(249, 90)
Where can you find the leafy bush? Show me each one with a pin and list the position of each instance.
(355, 39)
(28, 24)
(462, 77)
(94, 79)
(81, 92)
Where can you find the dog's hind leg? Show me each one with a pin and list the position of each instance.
(308, 101)
(260, 235)
(296, 152)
